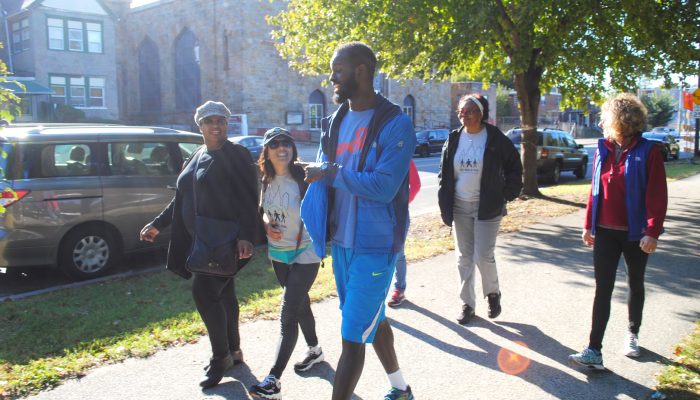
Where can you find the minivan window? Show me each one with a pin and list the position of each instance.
(138, 158)
(187, 149)
(56, 160)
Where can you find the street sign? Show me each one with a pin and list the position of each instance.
(696, 96)
(696, 111)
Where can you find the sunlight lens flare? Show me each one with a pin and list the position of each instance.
(511, 362)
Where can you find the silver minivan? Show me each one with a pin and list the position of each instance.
(75, 197)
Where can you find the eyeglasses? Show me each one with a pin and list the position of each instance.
(467, 111)
(277, 143)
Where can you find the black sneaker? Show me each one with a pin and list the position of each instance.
(494, 304)
(215, 371)
(466, 315)
(310, 358)
(269, 388)
(396, 394)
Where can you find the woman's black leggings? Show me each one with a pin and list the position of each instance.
(296, 279)
(217, 304)
(609, 245)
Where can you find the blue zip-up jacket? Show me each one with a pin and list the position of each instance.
(379, 184)
(635, 186)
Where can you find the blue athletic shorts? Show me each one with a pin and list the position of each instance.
(363, 282)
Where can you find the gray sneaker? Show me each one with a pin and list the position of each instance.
(588, 358)
(631, 345)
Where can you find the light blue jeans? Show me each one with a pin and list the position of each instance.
(400, 273)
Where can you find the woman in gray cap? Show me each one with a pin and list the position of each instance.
(293, 258)
(225, 185)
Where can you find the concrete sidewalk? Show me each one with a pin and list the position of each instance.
(547, 283)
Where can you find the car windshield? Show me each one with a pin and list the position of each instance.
(654, 136)
(422, 135)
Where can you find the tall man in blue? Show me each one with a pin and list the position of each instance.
(359, 201)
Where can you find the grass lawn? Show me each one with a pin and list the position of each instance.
(48, 338)
(680, 380)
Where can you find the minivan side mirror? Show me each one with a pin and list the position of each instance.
(579, 146)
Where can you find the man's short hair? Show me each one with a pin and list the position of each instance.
(359, 53)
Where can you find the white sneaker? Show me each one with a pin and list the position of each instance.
(631, 346)
(312, 356)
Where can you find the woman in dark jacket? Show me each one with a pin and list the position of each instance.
(226, 189)
(480, 171)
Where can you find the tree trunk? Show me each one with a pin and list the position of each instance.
(527, 86)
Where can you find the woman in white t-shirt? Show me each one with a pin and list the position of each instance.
(290, 251)
(480, 171)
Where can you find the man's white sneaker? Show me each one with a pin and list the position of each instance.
(631, 346)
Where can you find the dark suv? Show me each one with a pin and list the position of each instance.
(556, 151)
(430, 141)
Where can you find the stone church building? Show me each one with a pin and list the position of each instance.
(175, 54)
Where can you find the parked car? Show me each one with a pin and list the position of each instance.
(557, 151)
(668, 131)
(254, 144)
(75, 197)
(430, 141)
(668, 144)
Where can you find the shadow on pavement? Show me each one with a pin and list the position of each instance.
(324, 371)
(237, 389)
(558, 383)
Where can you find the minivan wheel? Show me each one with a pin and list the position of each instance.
(556, 173)
(87, 253)
(580, 172)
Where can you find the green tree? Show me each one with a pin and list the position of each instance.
(576, 45)
(503, 108)
(8, 101)
(660, 110)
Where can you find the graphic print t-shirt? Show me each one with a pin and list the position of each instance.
(468, 165)
(352, 134)
(282, 203)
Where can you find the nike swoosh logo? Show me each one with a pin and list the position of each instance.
(377, 273)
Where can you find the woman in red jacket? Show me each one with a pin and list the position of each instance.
(625, 215)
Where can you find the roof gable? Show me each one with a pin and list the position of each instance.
(82, 6)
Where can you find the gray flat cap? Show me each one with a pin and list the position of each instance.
(211, 108)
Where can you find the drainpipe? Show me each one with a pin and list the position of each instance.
(9, 40)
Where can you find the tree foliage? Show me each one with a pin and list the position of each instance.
(660, 110)
(578, 46)
(8, 100)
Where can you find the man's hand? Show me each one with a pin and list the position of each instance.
(648, 244)
(245, 249)
(587, 237)
(148, 233)
(313, 171)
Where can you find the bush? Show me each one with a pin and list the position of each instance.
(66, 113)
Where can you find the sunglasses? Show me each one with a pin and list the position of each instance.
(277, 143)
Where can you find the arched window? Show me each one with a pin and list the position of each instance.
(409, 108)
(317, 109)
(187, 89)
(149, 76)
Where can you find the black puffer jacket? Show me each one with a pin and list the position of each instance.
(501, 178)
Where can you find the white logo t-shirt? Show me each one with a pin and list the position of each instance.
(467, 163)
